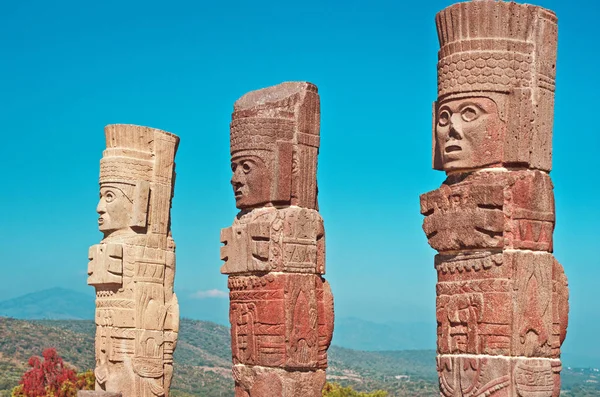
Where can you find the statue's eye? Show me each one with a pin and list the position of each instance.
(444, 118)
(109, 196)
(470, 113)
(246, 167)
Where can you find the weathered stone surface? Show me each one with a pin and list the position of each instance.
(486, 210)
(290, 239)
(462, 375)
(270, 382)
(281, 309)
(88, 393)
(282, 320)
(133, 267)
(275, 134)
(512, 303)
(502, 298)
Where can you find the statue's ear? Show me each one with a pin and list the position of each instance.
(436, 154)
(141, 196)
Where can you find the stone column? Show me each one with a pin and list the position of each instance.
(281, 309)
(133, 267)
(502, 298)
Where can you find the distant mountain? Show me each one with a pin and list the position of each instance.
(352, 333)
(66, 304)
(53, 303)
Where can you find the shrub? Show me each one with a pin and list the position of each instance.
(336, 390)
(50, 378)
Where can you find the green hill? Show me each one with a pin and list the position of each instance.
(203, 360)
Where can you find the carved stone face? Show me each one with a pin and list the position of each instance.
(115, 209)
(251, 181)
(469, 133)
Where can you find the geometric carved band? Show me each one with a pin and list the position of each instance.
(125, 170)
(497, 71)
(260, 133)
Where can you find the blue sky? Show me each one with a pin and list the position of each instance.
(69, 68)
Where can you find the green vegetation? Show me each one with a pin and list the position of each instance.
(336, 390)
(203, 362)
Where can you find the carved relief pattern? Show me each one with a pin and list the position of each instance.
(281, 308)
(502, 298)
(279, 320)
(277, 240)
(471, 376)
(132, 269)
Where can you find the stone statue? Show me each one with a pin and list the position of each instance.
(502, 298)
(133, 267)
(281, 309)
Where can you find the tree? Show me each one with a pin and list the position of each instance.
(50, 378)
(336, 390)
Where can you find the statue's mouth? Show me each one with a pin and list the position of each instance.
(100, 220)
(452, 148)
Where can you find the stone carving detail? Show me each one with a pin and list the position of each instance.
(277, 240)
(472, 376)
(281, 309)
(133, 267)
(491, 210)
(502, 298)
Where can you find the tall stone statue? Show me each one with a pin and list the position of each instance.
(281, 309)
(502, 298)
(133, 267)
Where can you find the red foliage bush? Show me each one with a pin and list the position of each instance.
(48, 377)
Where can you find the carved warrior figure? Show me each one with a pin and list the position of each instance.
(133, 268)
(281, 308)
(502, 298)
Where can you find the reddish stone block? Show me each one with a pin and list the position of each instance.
(472, 376)
(275, 382)
(474, 304)
(491, 210)
(511, 303)
(279, 240)
(461, 375)
(533, 378)
(283, 320)
(560, 299)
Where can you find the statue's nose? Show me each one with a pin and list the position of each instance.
(236, 178)
(455, 127)
(101, 208)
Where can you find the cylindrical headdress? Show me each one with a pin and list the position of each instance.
(281, 125)
(506, 51)
(143, 158)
